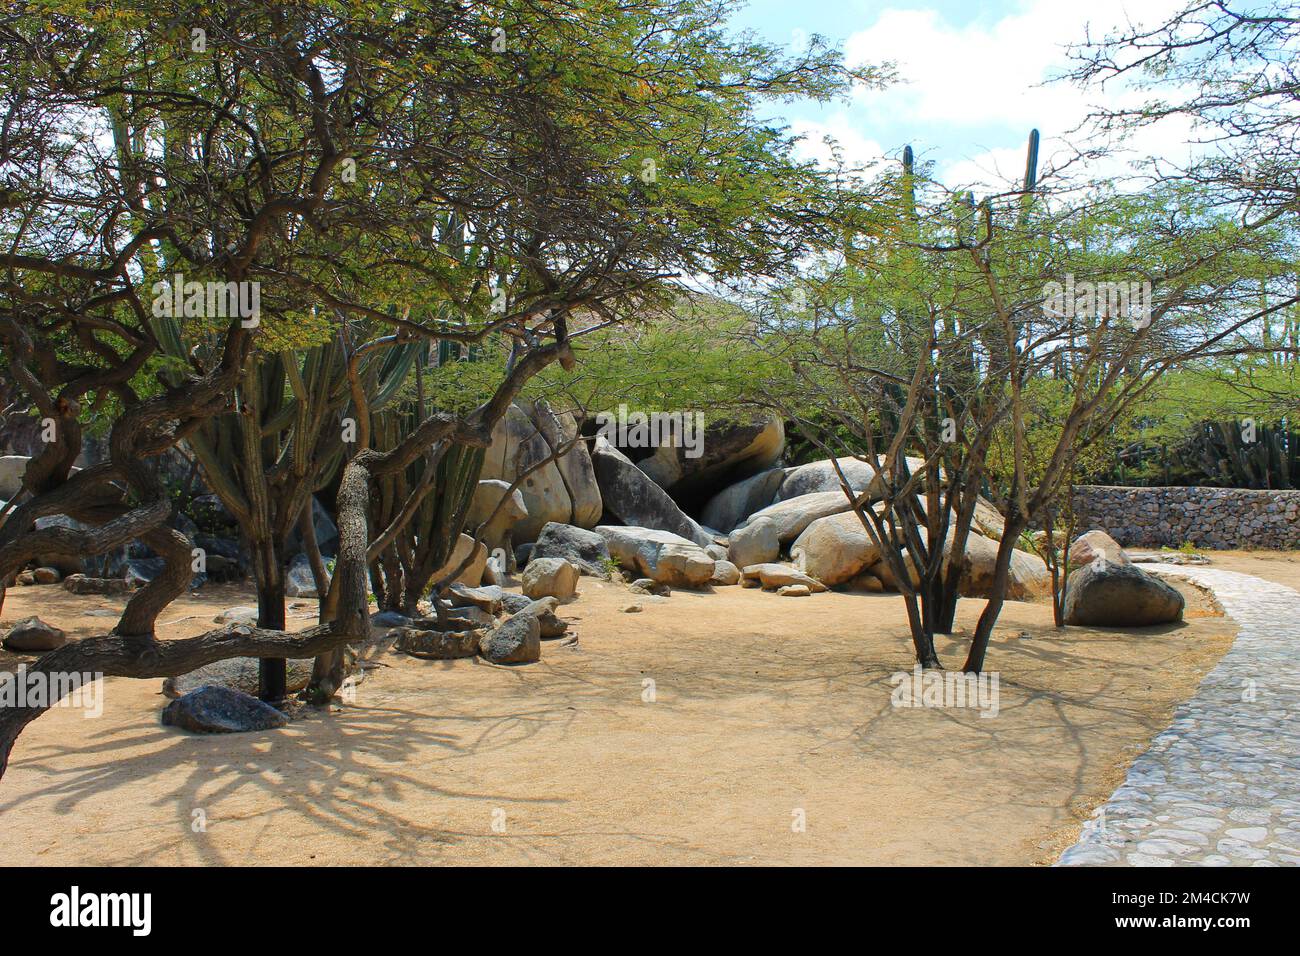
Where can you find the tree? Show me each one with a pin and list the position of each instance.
(332, 156)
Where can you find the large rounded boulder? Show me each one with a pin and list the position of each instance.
(1107, 594)
(563, 490)
(834, 549)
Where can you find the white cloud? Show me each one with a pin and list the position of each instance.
(986, 83)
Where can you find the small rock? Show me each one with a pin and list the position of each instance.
(632, 609)
(220, 710)
(25, 579)
(47, 576)
(33, 634)
(725, 573)
(794, 590)
(241, 614)
(517, 641)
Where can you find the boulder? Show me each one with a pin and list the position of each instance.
(792, 515)
(236, 673)
(1091, 545)
(463, 618)
(437, 645)
(551, 626)
(80, 584)
(34, 635)
(585, 550)
(725, 573)
(472, 575)
(516, 641)
(564, 490)
(46, 576)
(771, 576)
(755, 543)
(664, 557)
(550, 577)
(987, 520)
(731, 506)
(817, 477)
(220, 710)
(298, 579)
(834, 549)
(1110, 594)
(513, 603)
(484, 505)
(725, 452)
(488, 597)
(1028, 577)
(631, 497)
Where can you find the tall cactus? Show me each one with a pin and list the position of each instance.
(283, 443)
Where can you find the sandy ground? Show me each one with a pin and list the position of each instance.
(766, 711)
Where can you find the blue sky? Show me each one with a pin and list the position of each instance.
(972, 76)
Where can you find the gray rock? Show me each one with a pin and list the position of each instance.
(550, 577)
(389, 619)
(516, 641)
(438, 645)
(755, 543)
(792, 515)
(220, 710)
(731, 506)
(544, 610)
(513, 603)
(1094, 544)
(585, 550)
(630, 495)
(1104, 594)
(820, 476)
(727, 452)
(725, 573)
(523, 553)
(661, 556)
(235, 673)
(834, 549)
(488, 597)
(772, 576)
(33, 634)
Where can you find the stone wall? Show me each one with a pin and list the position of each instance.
(1207, 517)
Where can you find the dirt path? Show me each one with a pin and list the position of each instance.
(765, 710)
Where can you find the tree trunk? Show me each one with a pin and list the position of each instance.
(989, 616)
